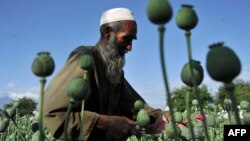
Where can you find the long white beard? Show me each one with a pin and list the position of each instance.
(113, 61)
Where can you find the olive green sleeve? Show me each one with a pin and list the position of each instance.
(56, 102)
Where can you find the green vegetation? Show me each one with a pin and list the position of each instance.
(19, 121)
(196, 114)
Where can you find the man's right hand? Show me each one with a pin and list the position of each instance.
(117, 126)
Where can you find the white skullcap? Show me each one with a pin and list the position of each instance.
(116, 14)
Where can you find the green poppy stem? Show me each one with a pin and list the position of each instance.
(188, 34)
(227, 107)
(143, 136)
(81, 125)
(40, 118)
(230, 89)
(188, 113)
(19, 130)
(163, 67)
(86, 77)
(67, 119)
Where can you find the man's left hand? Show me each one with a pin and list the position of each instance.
(158, 126)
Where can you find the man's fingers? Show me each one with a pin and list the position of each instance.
(131, 122)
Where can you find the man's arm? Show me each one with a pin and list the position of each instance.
(56, 102)
(158, 117)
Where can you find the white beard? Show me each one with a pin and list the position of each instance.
(113, 61)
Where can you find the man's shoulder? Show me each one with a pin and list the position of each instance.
(81, 50)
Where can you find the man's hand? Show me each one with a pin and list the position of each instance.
(158, 126)
(117, 126)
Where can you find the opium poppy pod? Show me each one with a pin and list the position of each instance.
(178, 117)
(244, 104)
(86, 62)
(142, 118)
(198, 74)
(159, 11)
(10, 113)
(4, 123)
(138, 105)
(170, 130)
(186, 18)
(222, 63)
(43, 65)
(210, 119)
(78, 89)
(246, 118)
(227, 101)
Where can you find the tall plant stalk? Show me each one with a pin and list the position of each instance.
(81, 125)
(164, 72)
(40, 119)
(67, 119)
(189, 50)
(188, 113)
(85, 76)
(230, 90)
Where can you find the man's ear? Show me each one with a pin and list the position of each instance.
(107, 32)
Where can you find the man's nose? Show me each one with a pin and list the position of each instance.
(129, 47)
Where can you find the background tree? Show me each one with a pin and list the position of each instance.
(242, 92)
(178, 96)
(25, 106)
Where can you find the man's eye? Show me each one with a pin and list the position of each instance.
(127, 39)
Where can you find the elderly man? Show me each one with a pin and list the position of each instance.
(108, 112)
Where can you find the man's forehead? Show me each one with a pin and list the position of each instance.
(129, 25)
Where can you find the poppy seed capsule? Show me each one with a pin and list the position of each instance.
(197, 132)
(246, 118)
(185, 132)
(4, 123)
(78, 89)
(186, 18)
(198, 74)
(138, 105)
(43, 65)
(86, 62)
(142, 118)
(170, 130)
(178, 117)
(244, 104)
(159, 11)
(210, 119)
(10, 113)
(222, 63)
(195, 102)
(227, 101)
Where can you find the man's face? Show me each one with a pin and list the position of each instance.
(113, 51)
(125, 36)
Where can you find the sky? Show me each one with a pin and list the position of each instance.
(59, 26)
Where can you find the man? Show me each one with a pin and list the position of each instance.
(108, 112)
